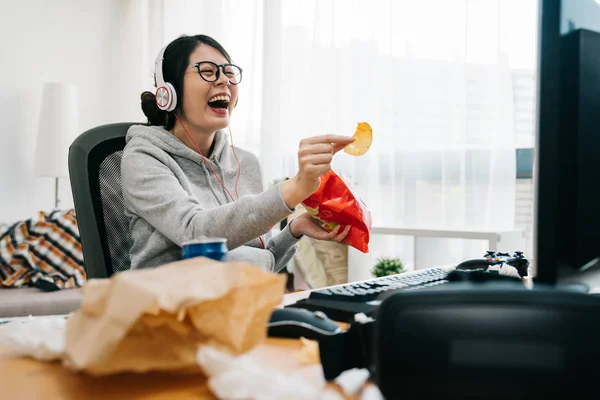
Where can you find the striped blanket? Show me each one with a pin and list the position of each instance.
(43, 252)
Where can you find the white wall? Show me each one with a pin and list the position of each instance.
(84, 43)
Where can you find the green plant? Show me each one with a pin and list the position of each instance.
(387, 266)
(277, 180)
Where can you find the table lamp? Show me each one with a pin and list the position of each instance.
(58, 127)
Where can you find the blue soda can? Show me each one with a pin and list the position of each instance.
(214, 248)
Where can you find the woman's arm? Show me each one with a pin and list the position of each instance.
(283, 246)
(152, 191)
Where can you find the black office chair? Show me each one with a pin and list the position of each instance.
(95, 175)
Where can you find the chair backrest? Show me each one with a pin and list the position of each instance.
(95, 175)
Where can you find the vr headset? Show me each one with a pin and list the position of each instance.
(475, 340)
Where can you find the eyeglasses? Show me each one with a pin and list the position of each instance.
(210, 72)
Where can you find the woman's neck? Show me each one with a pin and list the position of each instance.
(203, 139)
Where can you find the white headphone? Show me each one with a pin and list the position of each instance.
(166, 96)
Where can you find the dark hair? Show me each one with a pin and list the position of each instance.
(175, 63)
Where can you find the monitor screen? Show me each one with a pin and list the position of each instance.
(567, 206)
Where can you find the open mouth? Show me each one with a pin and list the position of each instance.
(219, 102)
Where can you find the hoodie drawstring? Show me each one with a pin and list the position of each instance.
(219, 171)
(210, 185)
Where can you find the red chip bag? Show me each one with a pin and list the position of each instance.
(334, 204)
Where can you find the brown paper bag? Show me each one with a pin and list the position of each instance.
(156, 319)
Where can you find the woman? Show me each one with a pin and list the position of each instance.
(182, 180)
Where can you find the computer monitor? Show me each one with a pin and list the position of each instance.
(567, 172)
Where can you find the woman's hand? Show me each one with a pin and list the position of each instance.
(306, 225)
(314, 159)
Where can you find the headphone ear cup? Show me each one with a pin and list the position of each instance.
(173, 96)
(166, 97)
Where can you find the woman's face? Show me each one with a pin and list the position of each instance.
(207, 105)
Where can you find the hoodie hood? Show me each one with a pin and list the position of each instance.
(166, 141)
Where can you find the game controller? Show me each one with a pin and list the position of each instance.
(517, 260)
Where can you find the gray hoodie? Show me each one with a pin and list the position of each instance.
(172, 197)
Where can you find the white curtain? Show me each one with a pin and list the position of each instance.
(432, 77)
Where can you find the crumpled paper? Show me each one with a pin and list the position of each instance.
(243, 378)
(505, 269)
(156, 319)
(41, 338)
(362, 318)
(371, 392)
(352, 380)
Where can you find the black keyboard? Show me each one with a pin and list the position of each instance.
(343, 301)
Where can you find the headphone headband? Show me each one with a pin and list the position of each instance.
(166, 96)
(158, 70)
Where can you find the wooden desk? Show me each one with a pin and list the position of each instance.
(23, 379)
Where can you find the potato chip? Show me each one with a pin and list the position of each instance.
(364, 138)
